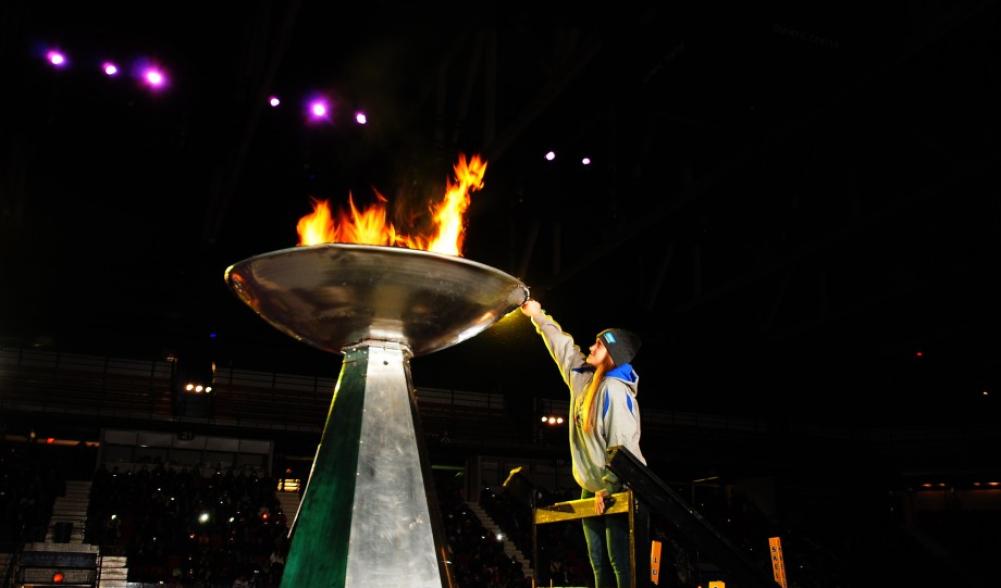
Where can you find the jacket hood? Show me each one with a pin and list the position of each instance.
(627, 375)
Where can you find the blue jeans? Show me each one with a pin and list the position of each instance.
(608, 543)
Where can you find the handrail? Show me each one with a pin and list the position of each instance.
(654, 492)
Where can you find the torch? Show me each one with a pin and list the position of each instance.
(368, 516)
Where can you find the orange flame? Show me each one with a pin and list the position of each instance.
(369, 226)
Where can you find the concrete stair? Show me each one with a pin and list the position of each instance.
(112, 571)
(290, 504)
(71, 508)
(510, 549)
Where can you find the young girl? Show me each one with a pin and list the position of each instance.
(603, 414)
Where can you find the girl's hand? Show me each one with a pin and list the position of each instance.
(531, 308)
(599, 501)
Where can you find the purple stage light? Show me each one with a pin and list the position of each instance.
(56, 58)
(550, 156)
(319, 109)
(360, 118)
(586, 161)
(109, 69)
(274, 101)
(154, 78)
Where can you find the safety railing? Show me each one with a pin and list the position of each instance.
(67, 383)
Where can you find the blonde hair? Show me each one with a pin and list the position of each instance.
(589, 400)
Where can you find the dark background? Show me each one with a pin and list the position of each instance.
(797, 207)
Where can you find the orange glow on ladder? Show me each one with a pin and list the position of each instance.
(655, 549)
(778, 563)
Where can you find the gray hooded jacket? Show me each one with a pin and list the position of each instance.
(618, 421)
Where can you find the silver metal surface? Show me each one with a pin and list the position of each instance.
(392, 541)
(368, 516)
(337, 295)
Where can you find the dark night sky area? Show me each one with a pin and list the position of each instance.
(787, 202)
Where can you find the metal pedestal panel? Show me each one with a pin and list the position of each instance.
(368, 517)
